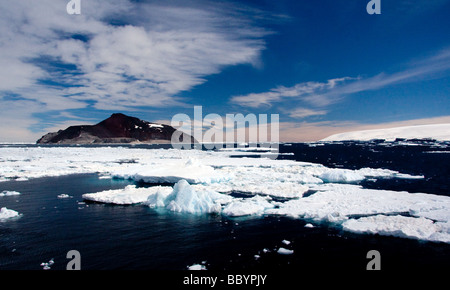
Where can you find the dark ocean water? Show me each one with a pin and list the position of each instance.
(113, 237)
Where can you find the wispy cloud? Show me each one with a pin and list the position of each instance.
(302, 91)
(300, 113)
(323, 94)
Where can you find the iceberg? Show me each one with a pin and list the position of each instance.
(7, 214)
(186, 198)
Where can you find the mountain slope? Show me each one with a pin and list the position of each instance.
(118, 128)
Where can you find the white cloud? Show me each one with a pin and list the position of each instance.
(300, 113)
(117, 55)
(58, 62)
(324, 94)
(303, 91)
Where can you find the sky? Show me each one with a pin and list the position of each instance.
(324, 66)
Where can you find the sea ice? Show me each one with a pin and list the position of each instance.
(342, 204)
(170, 172)
(400, 226)
(204, 177)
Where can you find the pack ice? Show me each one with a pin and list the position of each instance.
(200, 182)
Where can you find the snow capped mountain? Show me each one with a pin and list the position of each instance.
(439, 132)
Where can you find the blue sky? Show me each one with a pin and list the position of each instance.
(324, 66)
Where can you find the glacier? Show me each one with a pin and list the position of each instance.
(206, 182)
(433, 131)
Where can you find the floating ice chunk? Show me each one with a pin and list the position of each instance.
(127, 195)
(400, 226)
(47, 265)
(286, 242)
(341, 176)
(9, 193)
(284, 251)
(8, 213)
(248, 206)
(352, 176)
(386, 173)
(309, 226)
(197, 267)
(186, 198)
(63, 196)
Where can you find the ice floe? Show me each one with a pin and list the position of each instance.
(248, 206)
(129, 195)
(197, 267)
(284, 251)
(9, 193)
(47, 265)
(400, 226)
(356, 208)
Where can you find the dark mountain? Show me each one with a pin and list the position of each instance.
(118, 128)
